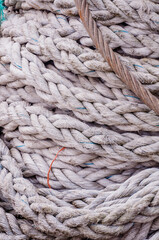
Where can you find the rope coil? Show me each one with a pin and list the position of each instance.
(113, 59)
(57, 91)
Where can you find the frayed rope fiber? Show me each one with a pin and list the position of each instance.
(51, 165)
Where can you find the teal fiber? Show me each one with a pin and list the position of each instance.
(62, 18)
(24, 201)
(34, 40)
(131, 96)
(108, 177)
(23, 115)
(89, 163)
(18, 65)
(138, 65)
(121, 31)
(90, 71)
(2, 17)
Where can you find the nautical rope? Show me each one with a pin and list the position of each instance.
(57, 91)
(114, 61)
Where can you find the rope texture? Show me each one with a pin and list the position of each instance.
(113, 59)
(56, 90)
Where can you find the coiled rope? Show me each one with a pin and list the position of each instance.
(113, 59)
(57, 91)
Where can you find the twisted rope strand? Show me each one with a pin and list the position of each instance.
(113, 59)
(57, 90)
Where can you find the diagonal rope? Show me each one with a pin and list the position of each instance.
(113, 59)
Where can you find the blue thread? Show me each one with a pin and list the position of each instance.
(62, 18)
(121, 31)
(24, 201)
(109, 177)
(1, 167)
(34, 39)
(18, 66)
(57, 10)
(20, 146)
(88, 163)
(131, 96)
(81, 108)
(23, 115)
(156, 66)
(88, 142)
(138, 65)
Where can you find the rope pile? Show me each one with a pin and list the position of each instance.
(56, 90)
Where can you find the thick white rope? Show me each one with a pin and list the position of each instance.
(56, 90)
(98, 107)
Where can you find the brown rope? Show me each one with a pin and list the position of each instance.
(121, 70)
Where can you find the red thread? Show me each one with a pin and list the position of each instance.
(51, 165)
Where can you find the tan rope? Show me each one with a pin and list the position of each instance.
(113, 59)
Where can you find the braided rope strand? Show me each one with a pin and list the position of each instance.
(56, 90)
(113, 58)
